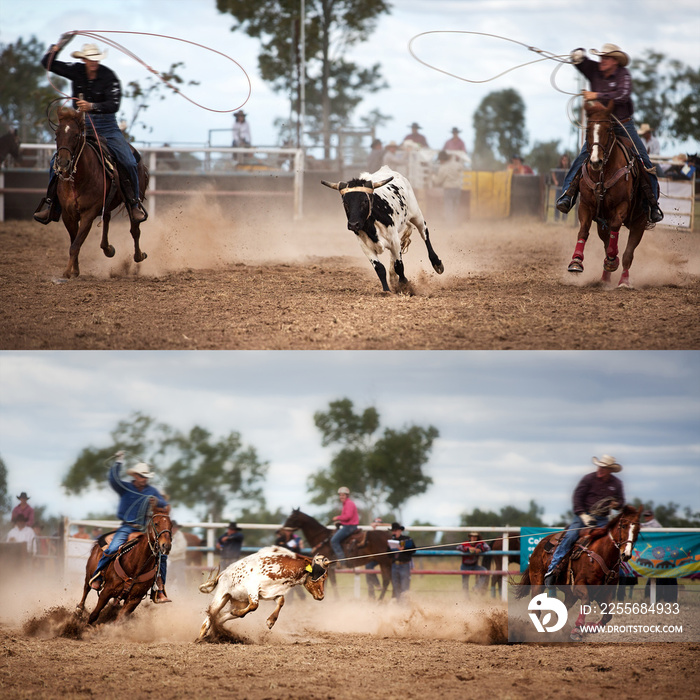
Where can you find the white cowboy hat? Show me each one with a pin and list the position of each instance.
(644, 129)
(614, 51)
(90, 52)
(141, 469)
(680, 159)
(344, 489)
(607, 462)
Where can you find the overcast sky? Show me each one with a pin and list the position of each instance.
(415, 93)
(514, 426)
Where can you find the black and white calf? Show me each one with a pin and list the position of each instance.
(381, 208)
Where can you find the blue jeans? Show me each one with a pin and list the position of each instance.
(341, 534)
(481, 581)
(400, 578)
(567, 542)
(627, 129)
(121, 536)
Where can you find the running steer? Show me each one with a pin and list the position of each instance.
(382, 218)
(267, 574)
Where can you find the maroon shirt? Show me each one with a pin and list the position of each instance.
(618, 87)
(592, 488)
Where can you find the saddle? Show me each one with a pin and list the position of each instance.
(104, 540)
(585, 538)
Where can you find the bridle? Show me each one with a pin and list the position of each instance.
(73, 155)
(152, 527)
(369, 191)
(619, 544)
(608, 130)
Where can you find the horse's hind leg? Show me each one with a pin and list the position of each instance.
(107, 249)
(139, 255)
(635, 237)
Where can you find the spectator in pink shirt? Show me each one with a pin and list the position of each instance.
(348, 519)
(24, 509)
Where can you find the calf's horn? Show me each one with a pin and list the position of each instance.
(332, 185)
(381, 183)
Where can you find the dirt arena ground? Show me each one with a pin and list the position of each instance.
(335, 648)
(262, 281)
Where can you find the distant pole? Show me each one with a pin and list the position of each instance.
(302, 76)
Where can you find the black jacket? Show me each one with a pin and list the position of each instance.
(105, 91)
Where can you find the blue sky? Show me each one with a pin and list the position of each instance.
(415, 92)
(514, 426)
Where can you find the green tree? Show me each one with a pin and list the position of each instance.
(25, 92)
(499, 129)
(544, 156)
(5, 500)
(196, 470)
(333, 85)
(508, 515)
(667, 95)
(380, 470)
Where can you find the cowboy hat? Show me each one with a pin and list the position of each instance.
(416, 125)
(90, 52)
(607, 462)
(392, 144)
(614, 51)
(141, 469)
(474, 534)
(233, 526)
(397, 526)
(344, 489)
(24, 493)
(455, 130)
(240, 112)
(680, 159)
(644, 129)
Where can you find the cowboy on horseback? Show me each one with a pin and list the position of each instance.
(610, 80)
(348, 520)
(136, 499)
(594, 496)
(97, 92)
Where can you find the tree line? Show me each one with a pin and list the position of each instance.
(666, 92)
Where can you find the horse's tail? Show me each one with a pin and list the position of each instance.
(520, 587)
(210, 584)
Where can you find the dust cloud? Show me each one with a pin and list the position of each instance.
(42, 610)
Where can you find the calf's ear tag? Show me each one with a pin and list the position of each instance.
(308, 568)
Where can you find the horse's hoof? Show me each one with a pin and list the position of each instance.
(611, 264)
(575, 265)
(109, 251)
(606, 278)
(439, 268)
(575, 635)
(143, 257)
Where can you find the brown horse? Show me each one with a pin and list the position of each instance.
(356, 547)
(9, 145)
(593, 567)
(133, 571)
(610, 188)
(87, 187)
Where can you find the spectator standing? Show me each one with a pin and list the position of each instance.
(401, 561)
(82, 534)
(669, 595)
(21, 532)
(518, 167)
(178, 556)
(455, 143)
(395, 158)
(651, 143)
(376, 156)
(23, 508)
(348, 520)
(241, 130)
(230, 544)
(473, 549)
(449, 178)
(415, 136)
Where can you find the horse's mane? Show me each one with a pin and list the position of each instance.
(625, 512)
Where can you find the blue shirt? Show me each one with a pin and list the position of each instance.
(133, 504)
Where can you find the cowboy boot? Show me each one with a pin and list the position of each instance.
(49, 208)
(136, 211)
(568, 199)
(655, 213)
(158, 594)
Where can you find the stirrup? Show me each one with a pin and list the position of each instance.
(160, 596)
(137, 212)
(96, 582)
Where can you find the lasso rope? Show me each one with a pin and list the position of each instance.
(97, 35)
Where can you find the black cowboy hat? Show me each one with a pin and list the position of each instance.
(23, 495)
(240, 112)
(233, 526)
(397, 526)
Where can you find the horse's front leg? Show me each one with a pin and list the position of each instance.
(585, 219)
(610, 241)
(139, 255)
(633, 240)
(579, 592)
(107, 249)
(73, 267)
